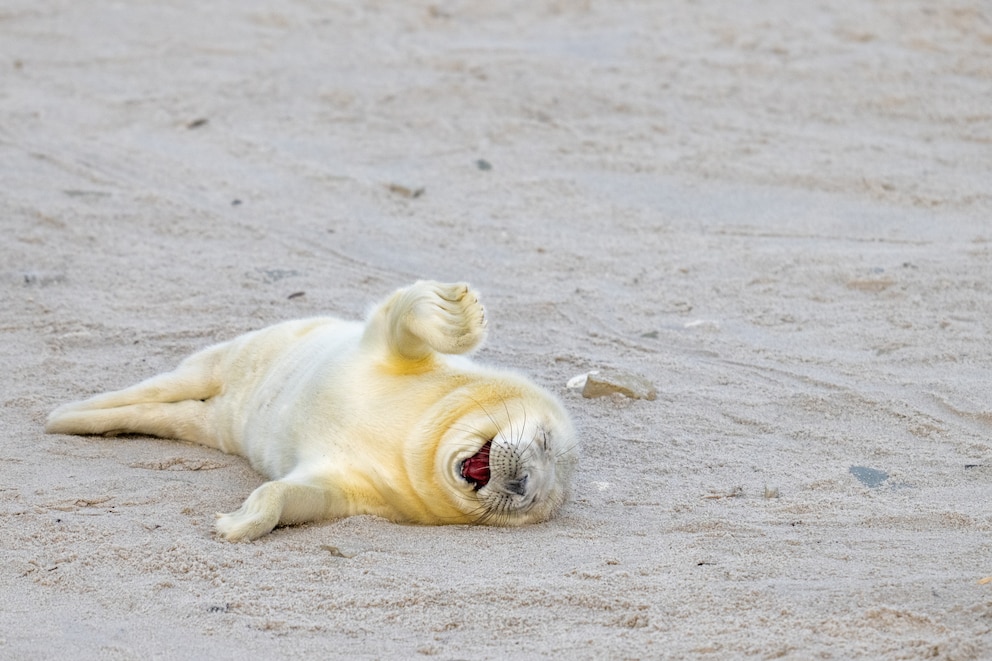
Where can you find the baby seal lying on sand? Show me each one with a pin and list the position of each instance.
(349, 418)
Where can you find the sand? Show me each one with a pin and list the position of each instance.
(778, 213)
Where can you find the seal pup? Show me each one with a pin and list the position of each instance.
(386, 417)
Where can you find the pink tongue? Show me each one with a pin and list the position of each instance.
(476, 467)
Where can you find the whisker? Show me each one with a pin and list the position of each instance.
(469, 430)
(486, 411)
(509, 418)
(523, 427)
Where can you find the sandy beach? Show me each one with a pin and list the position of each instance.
(778, 213)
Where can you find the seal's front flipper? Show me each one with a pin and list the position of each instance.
(274, 503)
(426, 317)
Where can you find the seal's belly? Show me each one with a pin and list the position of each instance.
(276, 378)
(324, 407)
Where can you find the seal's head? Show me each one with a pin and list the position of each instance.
(518, 478)
(506, 458)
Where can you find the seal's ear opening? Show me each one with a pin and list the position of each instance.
(475, 469)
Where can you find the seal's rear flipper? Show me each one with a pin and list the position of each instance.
(170, 405)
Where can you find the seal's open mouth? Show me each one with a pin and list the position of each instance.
(475, 469)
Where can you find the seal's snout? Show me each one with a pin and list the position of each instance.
(518, 486)
(475, 469)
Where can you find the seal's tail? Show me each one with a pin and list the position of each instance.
(171, 405)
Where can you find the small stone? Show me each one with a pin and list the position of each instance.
(600, 383)
(40, 278)
(411, 192)
(870, 477)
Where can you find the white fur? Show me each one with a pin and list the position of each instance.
(348, 418)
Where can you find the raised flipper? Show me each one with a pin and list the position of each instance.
(428, 317)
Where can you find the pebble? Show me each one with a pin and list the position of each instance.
(411, 192)
(600, 383)
(870, 477)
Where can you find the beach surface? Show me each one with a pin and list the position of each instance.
(777, 213)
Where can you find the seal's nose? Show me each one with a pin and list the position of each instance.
(518, 486)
